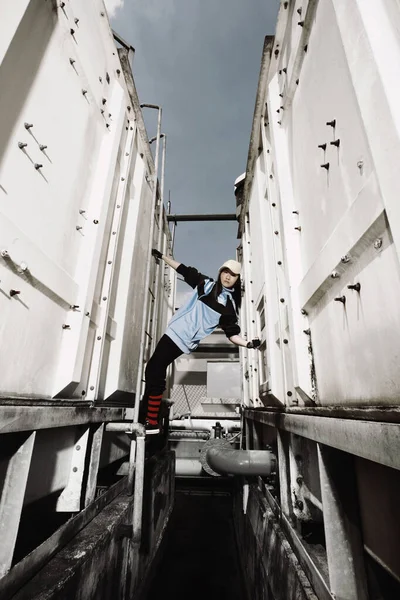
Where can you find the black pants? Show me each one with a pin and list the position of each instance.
(156, 370)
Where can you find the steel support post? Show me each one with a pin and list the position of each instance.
(344, 546)
(283, 439)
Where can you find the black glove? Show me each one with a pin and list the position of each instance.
(253, 344)
(157, 255)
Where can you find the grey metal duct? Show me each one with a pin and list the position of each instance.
(227, 461)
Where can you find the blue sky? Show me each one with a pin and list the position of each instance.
(199, 60)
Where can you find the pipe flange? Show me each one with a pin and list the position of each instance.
(218, 444)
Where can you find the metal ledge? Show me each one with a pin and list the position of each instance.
(30, 418)
(372, 440)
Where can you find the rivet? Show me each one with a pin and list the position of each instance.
(109, 262)
(72, 31)
(282, 300)
(118, 71)
(276, 52)
(271, 176)
(42, 147)
(78, 227)
(103, 101)
(102, 14)
(285, 341)
(279, 123)
(122, 178)
(118, 206)
(335, 275)
(22, 145)
(299, 11)
(322, 146)
(276, 232)
(356, 287)
(304, 312)
(299, 479)
(279, 262)
(325, 166)
(95, 222)
(331, 123)
(28, 125)
(104, 298)
(84, 92)
(341, 299)
(74, 306)
(284, 70)
(273, 204)
(378, 243)
(290, 393)
(298, 228)
(83, 392)
(345, 259)
(301, 23)
(76, 21)
(72, 61)
(37, 166)
(14, 292)
(99, 337)
(307, 331)
(75, 469)
(78, 447)
(66, 326)
(335, 143)
(114, 232)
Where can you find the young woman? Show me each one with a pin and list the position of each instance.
(212, 304)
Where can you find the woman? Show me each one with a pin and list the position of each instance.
(212, 304)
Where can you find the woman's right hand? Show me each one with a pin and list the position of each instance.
(156, 253)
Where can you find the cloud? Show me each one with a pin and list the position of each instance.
(113, 6)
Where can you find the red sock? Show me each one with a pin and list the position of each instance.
(153, 408)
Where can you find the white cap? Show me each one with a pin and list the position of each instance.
(232, 265)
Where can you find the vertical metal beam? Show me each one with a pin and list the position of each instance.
(94, 461)
(12, 498)
(284, 473)
(70, 498)
(344, 546)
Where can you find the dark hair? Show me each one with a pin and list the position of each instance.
(236, 291)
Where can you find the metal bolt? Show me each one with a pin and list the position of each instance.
(114, 232)
(104, 297)
(341, 299)
(304, 312)
(72, 61)
(4, 254)
(282, 300)
(279, 123)
(331, 123)
(276, 52)
(284, 70)
(279, 262)
(299, 504)
(72, 31)
(74, 306)
(103, 101)
(76, 21)
(78, 447)
(298, 228)
(335, 143)
(101, 79)
(118, 72)
(356, 287)
(78, 227)
(276, 232)
(378, 243)
(22, 145)
(99, 337)
(122, 178)
(62, 4)
(285, 341)
(66, 326)
(290, 393)
(299, 11)
(84, 92)
(87, 314)
(37, 166)
(273, 204)
(91, 388)
(109, 262)
(118, 206)
(335, 275)
(322, 146)
(28, 125)
(42, 147)
(301, 23)
(14, 292)
(307, 331)
(75, 469)
(299, 479)
(325, 166)
(345, 259)
(95, 222)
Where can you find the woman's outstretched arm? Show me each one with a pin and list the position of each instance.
(239, 341)
(167, 259)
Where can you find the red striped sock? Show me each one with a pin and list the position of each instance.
(153, 408)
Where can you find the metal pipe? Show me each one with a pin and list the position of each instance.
(188, 467)
(147, 281)
(210, 217)
(159, 239)
(203, 424)
(241, 462)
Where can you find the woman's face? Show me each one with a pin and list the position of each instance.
(227, 278)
